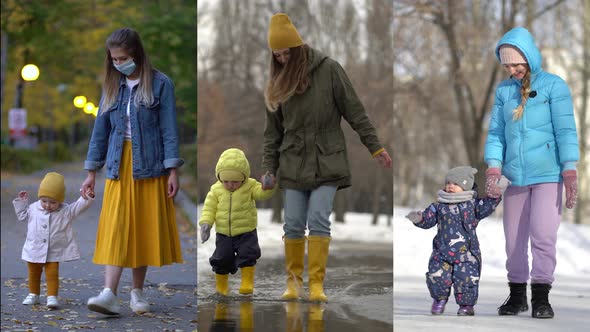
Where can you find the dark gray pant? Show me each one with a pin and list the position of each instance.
(233, 252)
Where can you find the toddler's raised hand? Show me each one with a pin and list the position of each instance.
(205, 232)
(23, 194)
(415, 216)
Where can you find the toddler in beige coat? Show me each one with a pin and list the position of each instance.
(50, 236)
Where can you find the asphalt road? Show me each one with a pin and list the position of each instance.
(171, 290)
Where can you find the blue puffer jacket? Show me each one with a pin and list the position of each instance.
(544, 142)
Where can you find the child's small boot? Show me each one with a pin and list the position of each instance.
(221, 312)
(516, 301)
(438, 306)
(465, 310)
(247, 286)
(246, 316)
(540, 301)
(221, 284)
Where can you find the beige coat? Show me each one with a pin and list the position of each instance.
(50, 236)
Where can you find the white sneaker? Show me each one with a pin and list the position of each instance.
(106, 303)
(138, 303)
(31, 299)
(52, 302)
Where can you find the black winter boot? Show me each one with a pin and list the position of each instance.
(540, 301)
(516, 301)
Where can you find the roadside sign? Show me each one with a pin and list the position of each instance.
(17, 122)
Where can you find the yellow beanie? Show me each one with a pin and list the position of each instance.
(53, 186)
(231, 175)
(282, 33)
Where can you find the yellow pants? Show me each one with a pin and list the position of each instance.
(51, 276)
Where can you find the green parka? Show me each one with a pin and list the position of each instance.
(233, 213)
(303, 139)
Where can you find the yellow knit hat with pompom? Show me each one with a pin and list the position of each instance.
(282, 33)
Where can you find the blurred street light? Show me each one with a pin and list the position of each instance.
(30, 72)
(89, 108)
(80, 101)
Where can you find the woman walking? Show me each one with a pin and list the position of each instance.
(307, 94)
(135, 136)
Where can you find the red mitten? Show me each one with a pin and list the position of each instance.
(493, 175)
(570, 182)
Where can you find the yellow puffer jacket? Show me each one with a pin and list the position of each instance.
(233, 213)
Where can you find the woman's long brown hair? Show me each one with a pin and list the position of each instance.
(127, 39)
(525, 91)
(288, 79)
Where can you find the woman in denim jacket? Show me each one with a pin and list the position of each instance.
(135, 135)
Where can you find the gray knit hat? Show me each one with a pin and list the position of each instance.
(462, 176)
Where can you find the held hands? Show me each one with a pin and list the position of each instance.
(89, 193)
(570, 182)
(384, 159)
(493, 175)
(415, 216)
(205, 232)
(88, 185)
(268, 181)
(24, 195)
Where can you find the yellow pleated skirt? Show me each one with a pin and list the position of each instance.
(137, 224)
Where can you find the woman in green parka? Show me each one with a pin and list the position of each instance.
(307, 95)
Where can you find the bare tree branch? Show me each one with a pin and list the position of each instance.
(546, 9)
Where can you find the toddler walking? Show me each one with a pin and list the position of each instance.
(230, 206)
(50, 236)
(456, 256)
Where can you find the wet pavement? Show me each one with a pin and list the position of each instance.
(170, 290)
(359, 286)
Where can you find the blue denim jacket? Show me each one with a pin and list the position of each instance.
(154, 133)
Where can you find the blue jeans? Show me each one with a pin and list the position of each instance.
(309, 208)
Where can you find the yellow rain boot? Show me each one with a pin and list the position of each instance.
(221, 312)
(294, 316)
(221, 284)
(315, 322)
(294, 255)
(317, 257)
(246, 316)
(247, 286)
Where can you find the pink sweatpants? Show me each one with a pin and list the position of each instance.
(532, 212)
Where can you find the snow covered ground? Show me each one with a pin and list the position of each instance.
(570, 296)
